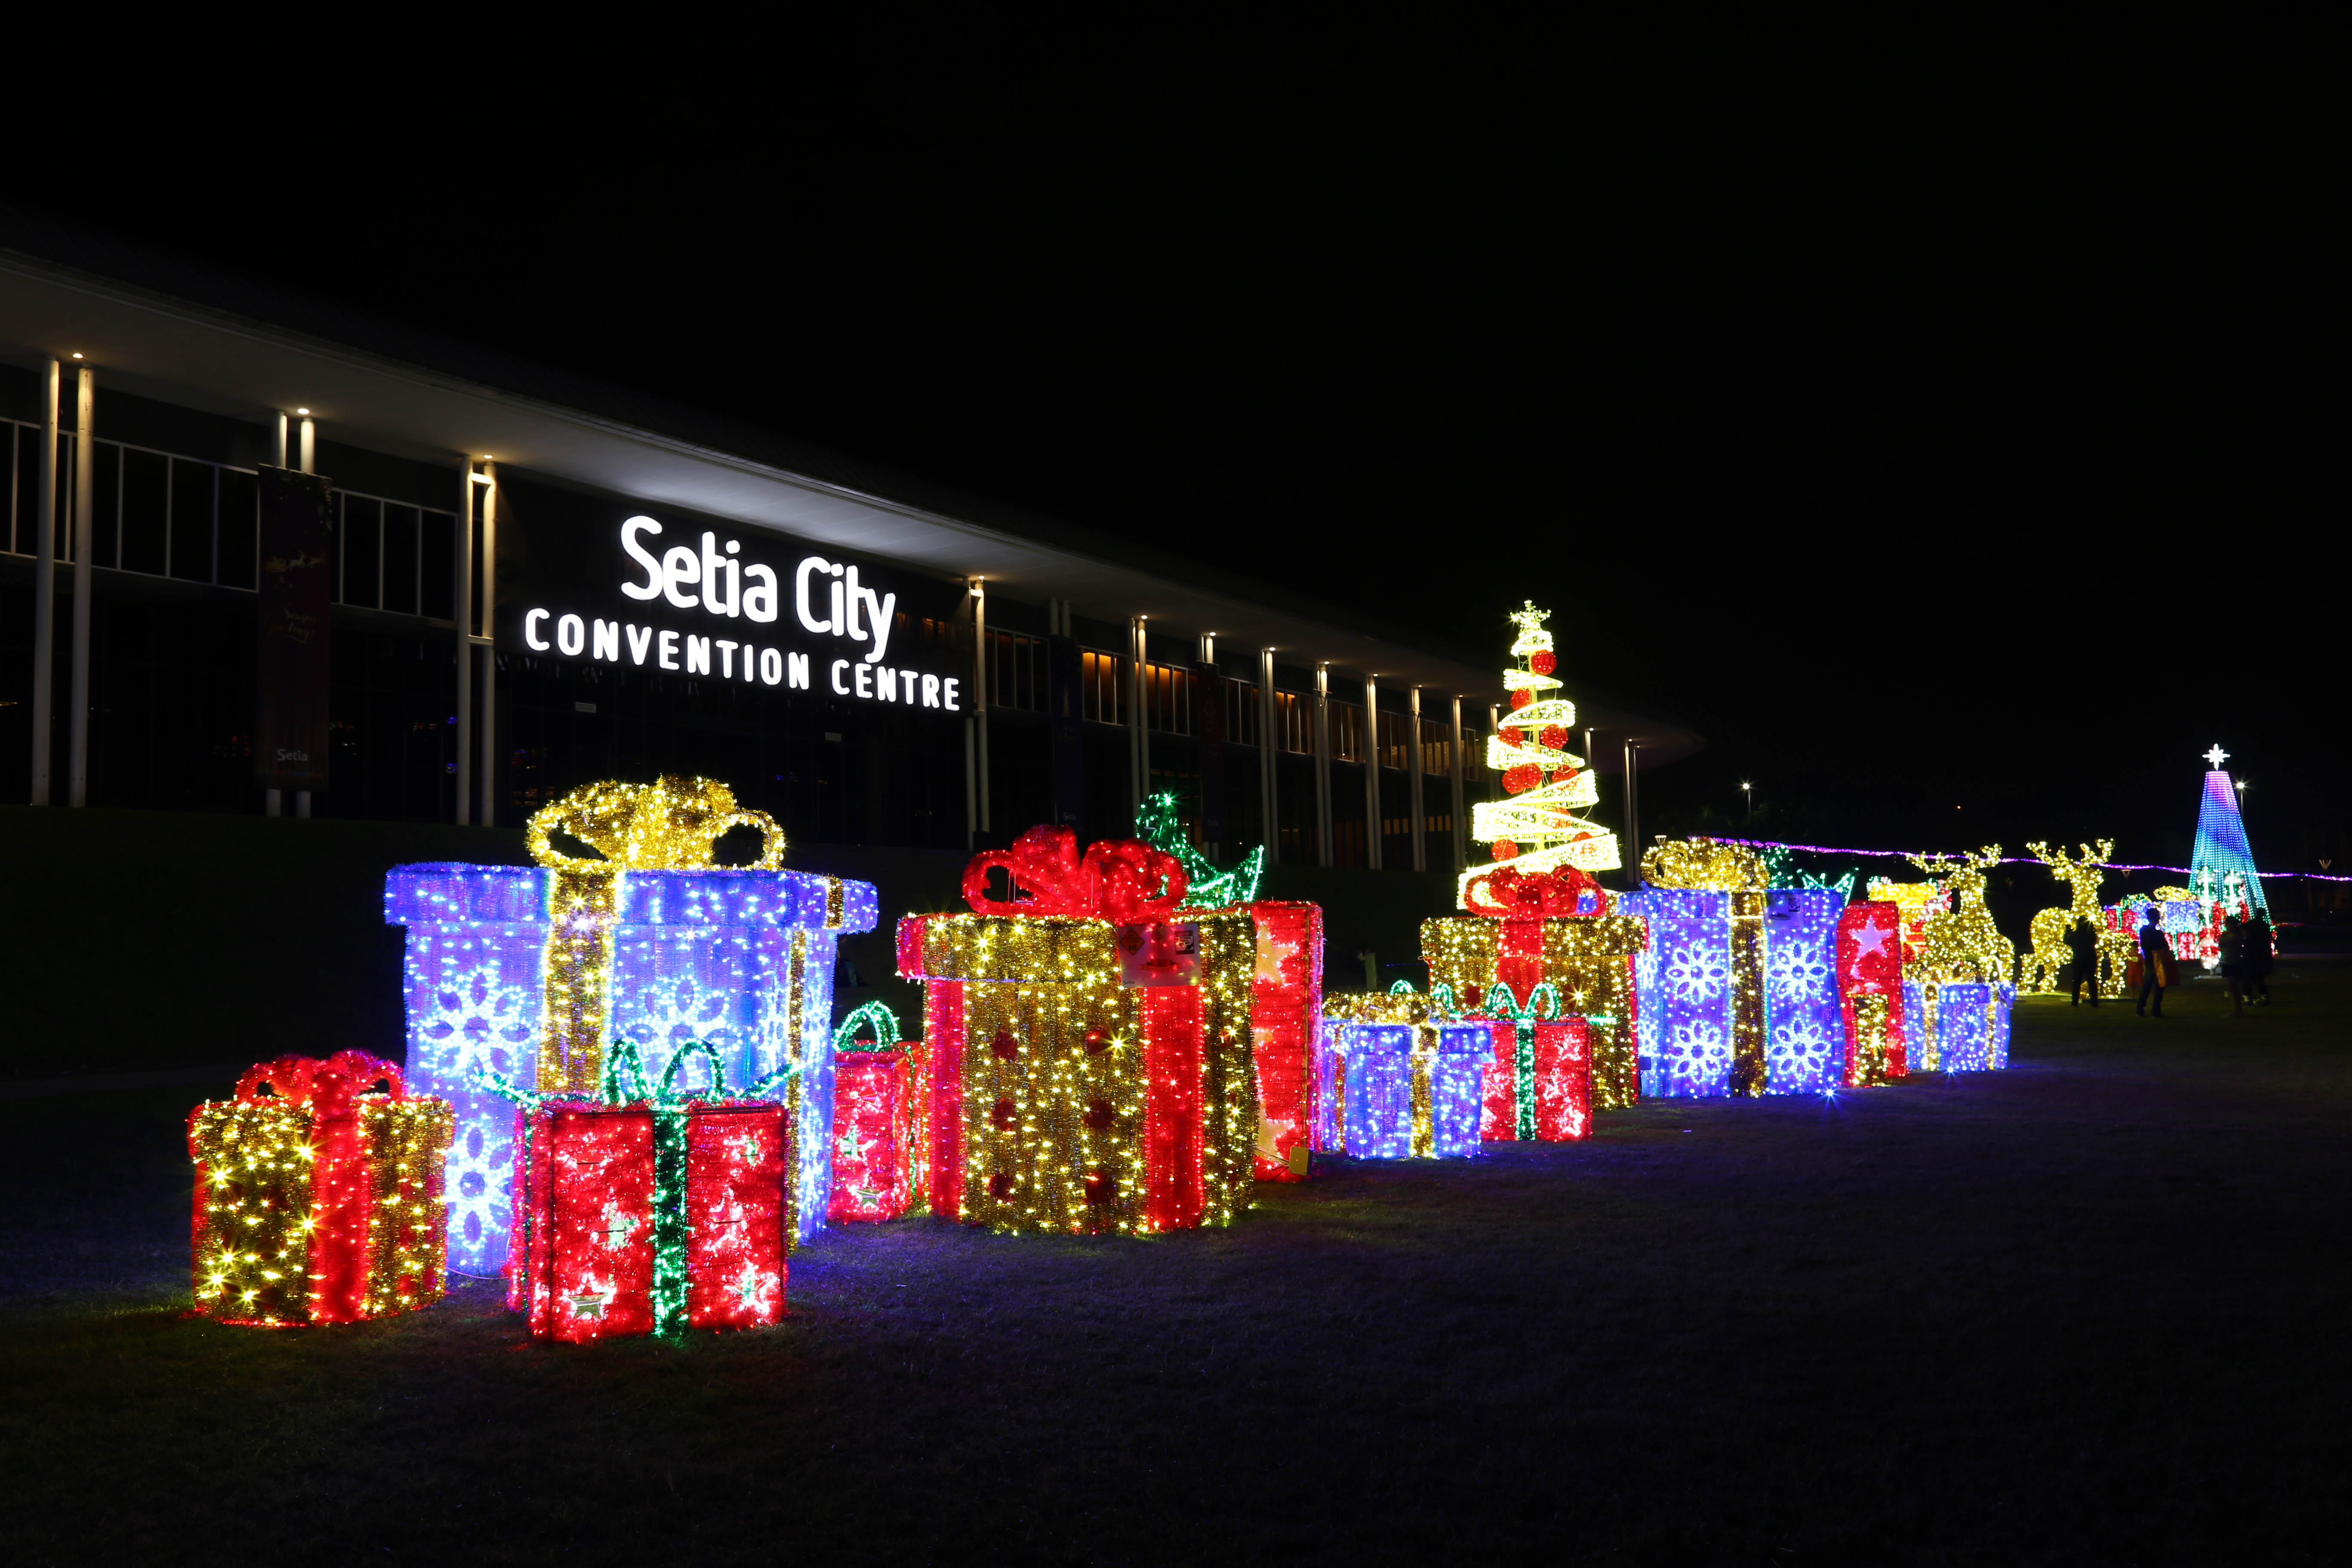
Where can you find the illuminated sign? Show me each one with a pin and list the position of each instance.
(731, 617)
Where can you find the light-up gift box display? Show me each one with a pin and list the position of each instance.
(531, 972)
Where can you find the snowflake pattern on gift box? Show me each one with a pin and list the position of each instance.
(1697, 1058)
(1796, 971)
(665, 1014)
(1803, 1051)
(1698, 974)
(479, 1016)
(466, 1006)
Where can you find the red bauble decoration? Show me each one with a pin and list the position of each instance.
(1100, 1189)
(1097, 1042)
(1521, 697)
(1001, 1115)
(1000, 1186)
(1512, 734)
(1098, 1113)
(1526, 776)
(1544, 663)
(1506, 850)
(1004, 1046)
(1553, 738)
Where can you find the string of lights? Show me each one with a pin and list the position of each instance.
(2004, 860)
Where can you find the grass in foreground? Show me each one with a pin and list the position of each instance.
(2087, 1310)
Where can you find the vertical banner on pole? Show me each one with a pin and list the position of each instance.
(290, 726)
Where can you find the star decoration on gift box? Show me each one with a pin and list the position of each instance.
(1869, 941)
(750, 1148)
(867, 1195)
(618, 1225)
(856, 1146)
(751, 1287)
(592, 1299)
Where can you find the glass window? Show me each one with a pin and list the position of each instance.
(192, 521)
(1241, 712)
(361, 544)
(240, 529)
(146, 511)
(400, 559)
(24, 495)
(1347, 731)
(1099, 686)
(106, 513)
(437, 563)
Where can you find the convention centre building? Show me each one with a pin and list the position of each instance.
(259, 554)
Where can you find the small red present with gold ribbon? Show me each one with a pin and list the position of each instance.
(317, 1199)
(1088, 1044)
(1548, 928)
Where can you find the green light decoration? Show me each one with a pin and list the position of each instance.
(1157, 823)
(883, 1023)
(623, 1082)
(1782, 872)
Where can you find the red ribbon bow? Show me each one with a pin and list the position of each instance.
(1123, 880)
(329, 1087)
(1513, 894)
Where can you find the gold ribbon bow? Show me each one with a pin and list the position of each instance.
(669, 825)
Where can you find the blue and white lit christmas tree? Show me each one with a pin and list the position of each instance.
(2222, 868)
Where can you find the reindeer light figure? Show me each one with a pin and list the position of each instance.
(1962, 943)
(2046, 966)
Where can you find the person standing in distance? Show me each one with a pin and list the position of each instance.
(2155, 963)
(2083, 943)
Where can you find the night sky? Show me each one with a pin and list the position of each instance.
(1949, 455)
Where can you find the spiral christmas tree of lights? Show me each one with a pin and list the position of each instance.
(1537, 829)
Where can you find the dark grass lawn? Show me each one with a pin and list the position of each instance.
(2094, 1310)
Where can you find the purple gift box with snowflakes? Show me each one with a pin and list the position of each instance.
(1727, 972)
(740, 960)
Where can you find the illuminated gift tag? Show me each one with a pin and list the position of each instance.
(1159, 953)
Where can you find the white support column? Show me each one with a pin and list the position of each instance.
(1269, 752)
(277, 441)
(85, 526)
(1138, 727)
(1415, 754)
(44, 582)
(981, 695)
(1372, 770)
(1461, 808)
(1323, 765)
(310, 448)
(486, 812)
(461, 610)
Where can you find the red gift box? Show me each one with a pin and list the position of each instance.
(1287, 991)
(876, 1133)
(1057, 1095)
(1544, 1088)
(316, 1202)
(650, 1216)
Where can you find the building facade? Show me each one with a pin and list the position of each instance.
(530, 584)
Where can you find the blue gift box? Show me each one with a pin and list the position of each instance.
(1400, 1090)
(1969, 1024)
(742, 960)
(1705, 980)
